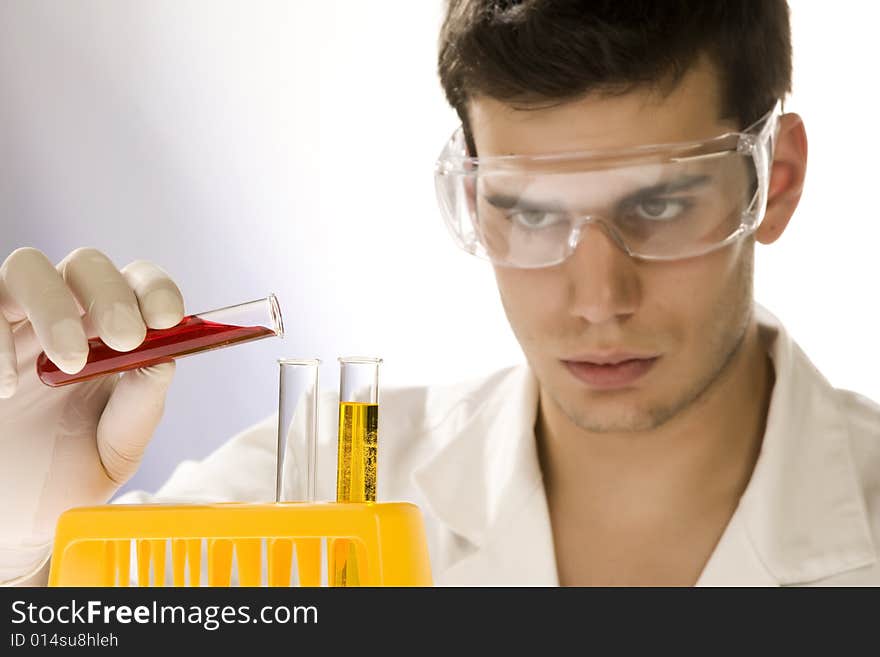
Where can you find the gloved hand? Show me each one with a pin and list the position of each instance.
(74, 445)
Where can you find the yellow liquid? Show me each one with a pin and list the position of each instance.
(356, 467)
(355, 475)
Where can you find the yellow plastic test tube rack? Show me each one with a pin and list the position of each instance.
(94, 545)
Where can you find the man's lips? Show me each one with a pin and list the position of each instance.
(610, 357)
(609, 371)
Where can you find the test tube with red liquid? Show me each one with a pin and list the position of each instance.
(214, 329)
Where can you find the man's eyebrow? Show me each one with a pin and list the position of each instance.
(506, 201)
(512, 201)
(681, 184)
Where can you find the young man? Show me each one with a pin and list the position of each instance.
(616, 165)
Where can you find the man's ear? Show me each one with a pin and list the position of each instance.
(786, 178)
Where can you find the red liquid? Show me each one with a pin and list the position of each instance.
(191, 336)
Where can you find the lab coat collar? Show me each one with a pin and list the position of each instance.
(801, 518)
(803, 510)
(485, 484)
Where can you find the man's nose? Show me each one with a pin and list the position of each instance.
(603, 279)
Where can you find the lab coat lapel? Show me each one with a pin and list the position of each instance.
(735, 562)
(519, 550)
(485, 486)
(802, 516)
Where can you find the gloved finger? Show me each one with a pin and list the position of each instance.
(160, 300)
(106, 297)
(30, 286)
(130, 419)
(8, 364)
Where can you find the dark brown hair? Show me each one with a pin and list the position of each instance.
(535, 52)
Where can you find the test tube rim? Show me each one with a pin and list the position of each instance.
(360, 360)
(274, 311)
(299, 361)
(276, 314)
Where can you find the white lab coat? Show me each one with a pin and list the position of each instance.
(466, 455)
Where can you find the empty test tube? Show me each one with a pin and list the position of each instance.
(296, 461)
(357, 463)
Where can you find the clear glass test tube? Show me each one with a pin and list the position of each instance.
(214, 329)
(296, 461)
(358, 444)
(358, 429)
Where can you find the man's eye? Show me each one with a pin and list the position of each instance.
(660, 209)
(535, 218)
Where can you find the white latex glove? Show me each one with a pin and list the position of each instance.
(74, 445)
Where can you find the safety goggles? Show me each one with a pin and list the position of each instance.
(658, 202)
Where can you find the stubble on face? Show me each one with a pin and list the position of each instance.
(716, 345)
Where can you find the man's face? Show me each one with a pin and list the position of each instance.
(683, 320)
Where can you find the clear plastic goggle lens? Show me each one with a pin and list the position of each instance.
(658, 202)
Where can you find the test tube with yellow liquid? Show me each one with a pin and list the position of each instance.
(357, 450)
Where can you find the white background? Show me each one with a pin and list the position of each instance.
(250, 147)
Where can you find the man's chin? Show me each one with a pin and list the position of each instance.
(614, 422)
(617, 411)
